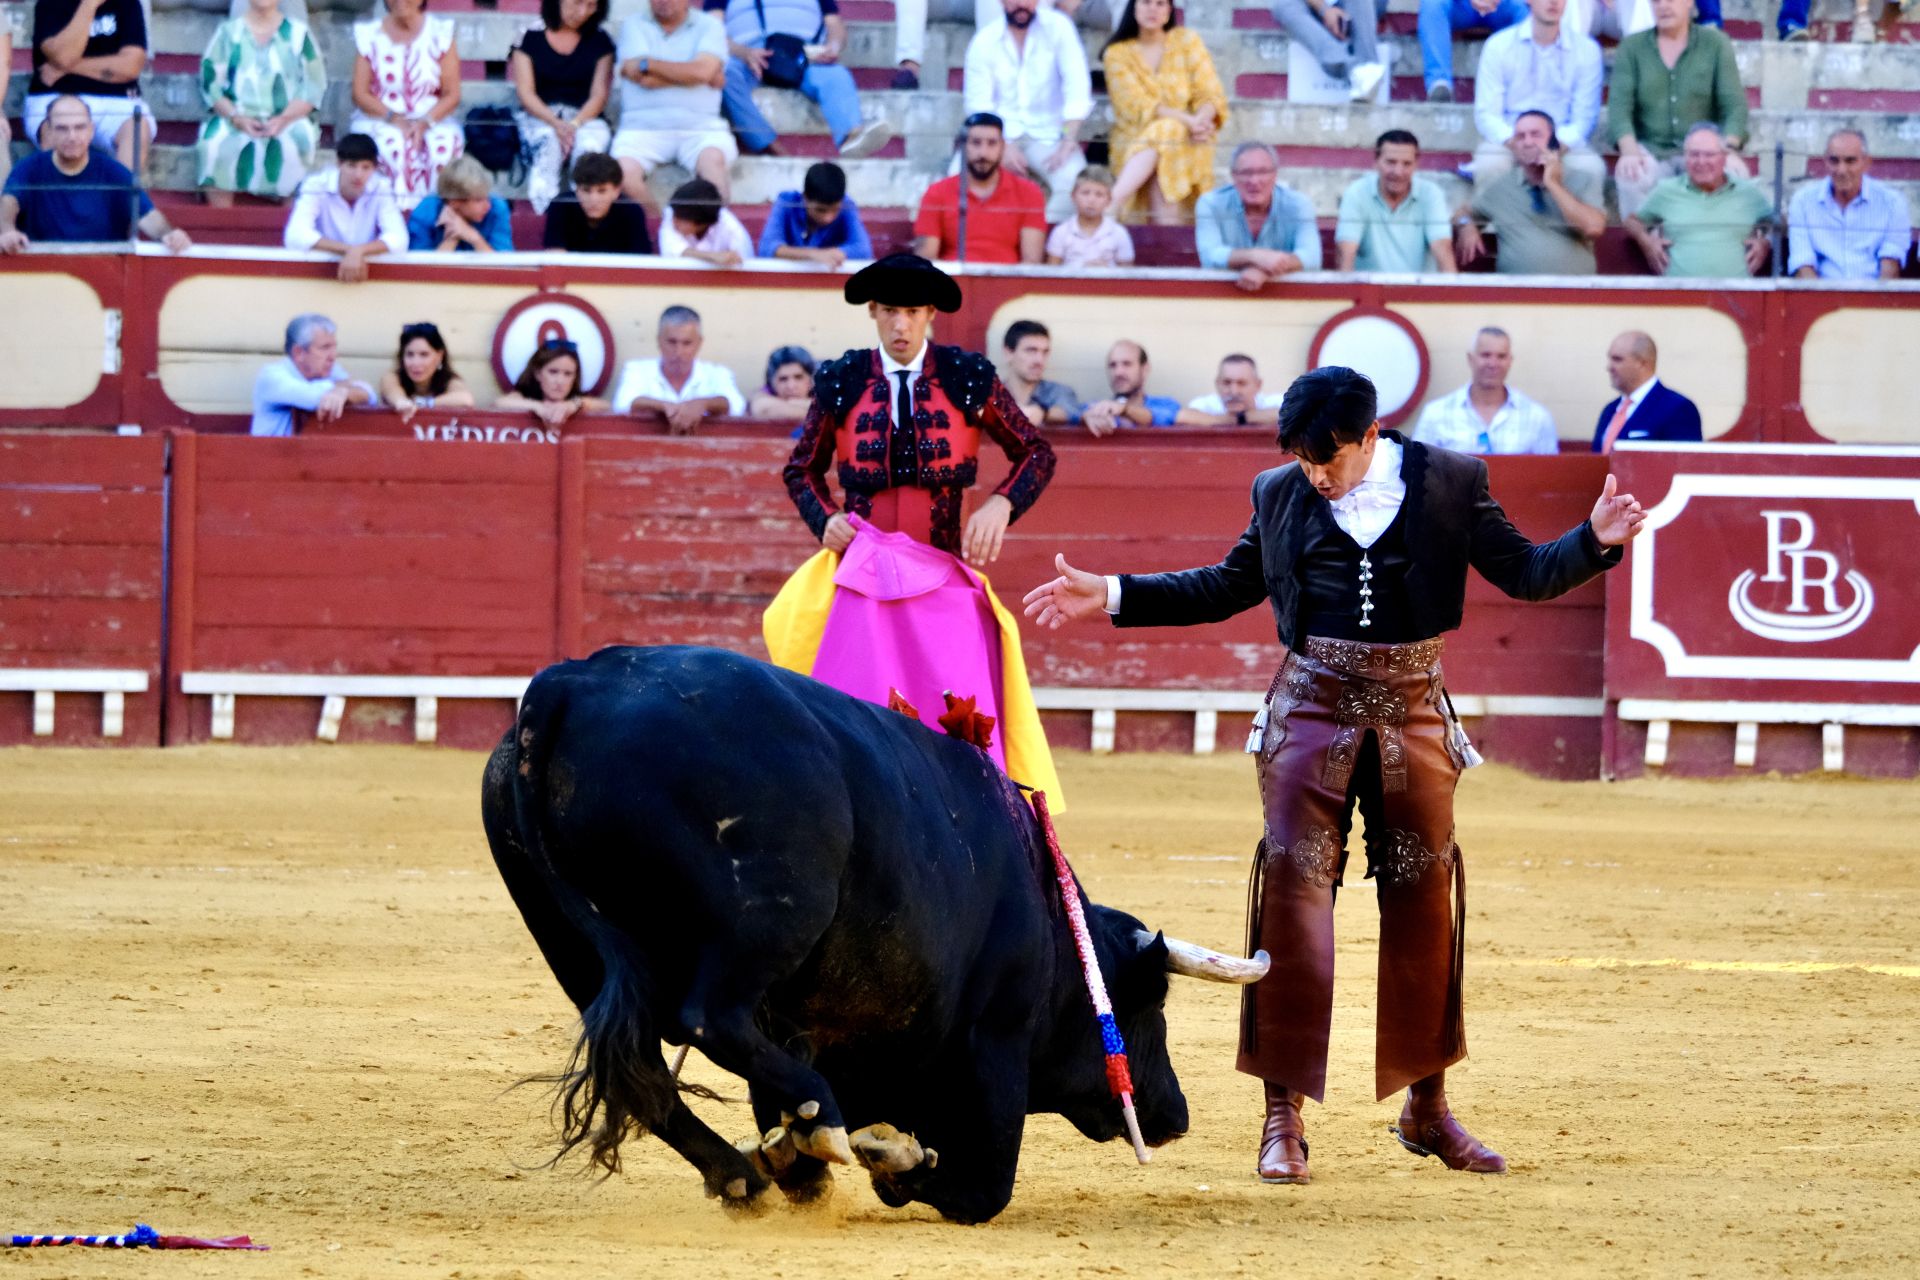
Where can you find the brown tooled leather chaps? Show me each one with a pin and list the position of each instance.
(1347, 720)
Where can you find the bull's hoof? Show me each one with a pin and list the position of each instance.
(808, 1182)
(883, 1149)
(741, 1199)
(772, 1153)
(823, 1142)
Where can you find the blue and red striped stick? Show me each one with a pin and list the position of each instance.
(1119, 1078)
(141, 1237)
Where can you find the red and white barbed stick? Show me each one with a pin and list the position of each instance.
(141, 1237)
(1119, 1078)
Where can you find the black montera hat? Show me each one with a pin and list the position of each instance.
(905, 280)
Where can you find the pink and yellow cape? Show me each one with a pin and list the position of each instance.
(896, 613)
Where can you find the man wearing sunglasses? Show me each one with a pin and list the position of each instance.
(1848, 227)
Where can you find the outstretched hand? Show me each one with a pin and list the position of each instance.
(1074, 595)
(1616, 517)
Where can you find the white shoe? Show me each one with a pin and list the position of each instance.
(1364, 78)
(866, 140)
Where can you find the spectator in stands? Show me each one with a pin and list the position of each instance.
(817, 223)
(309, 378)
(788, 392)
(673, 62)
(1256, 223)
(1168, 109)
(698, 225)
(1705, 223)
(562, 75)
(1342, 35)
(910, 25)
(1539, 65)
(1130, 405)
(1029, 68)
(1665, 81)
(349, 210)
(464, 216)
(1028, 347)
(422, 376)
(1548, 216)
(6, 84)
(1847, 227)
(1486, 415)
(598, 219)
(1005, 215)
(549, 387)
(1439, 19)
(75, 192)
(1091, 238)
(94, 50)
(261, 77)
(1645, 409)
(1394, 220)
(1236, 399)
(799, 42)
(406, 87)
(678, 385)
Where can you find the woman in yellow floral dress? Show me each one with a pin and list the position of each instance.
(1168, 108)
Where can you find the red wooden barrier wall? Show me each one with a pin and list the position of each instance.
(81, 522)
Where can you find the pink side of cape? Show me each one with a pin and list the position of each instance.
(911, 617)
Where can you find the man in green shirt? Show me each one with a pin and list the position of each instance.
(1706, 224)
(1548, 216)
(1393, 220)
(1665, 81)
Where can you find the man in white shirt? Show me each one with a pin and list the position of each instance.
(1236, 399)
(678, 386)
(1539, 65)
(1487, 416)
(1029, 68)
(672, 64)
(910, 25)
(350, 211)
(309, 378)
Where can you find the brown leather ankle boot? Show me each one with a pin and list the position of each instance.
(1283, 1144)
(1427, 1128)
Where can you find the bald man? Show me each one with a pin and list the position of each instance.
(1644, 409)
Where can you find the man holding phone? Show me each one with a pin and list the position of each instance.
(1548, 214)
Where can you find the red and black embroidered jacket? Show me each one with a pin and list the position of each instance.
(956, 397)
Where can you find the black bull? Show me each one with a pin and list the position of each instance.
(848, 910)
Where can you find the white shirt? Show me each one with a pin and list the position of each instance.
(724, 235)
(1212, 403)
(1521, 425)
(1363, 512)
(1517, 74)
(642, 379)
(319, 214)
(281, 388)
(1034, 90)
(892, 367)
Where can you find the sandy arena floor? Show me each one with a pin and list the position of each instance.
(282, 992)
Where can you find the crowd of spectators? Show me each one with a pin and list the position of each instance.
(1020, 190)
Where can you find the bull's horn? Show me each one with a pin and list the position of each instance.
(1192, 961)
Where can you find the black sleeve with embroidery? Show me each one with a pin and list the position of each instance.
(1002, 418)
(806, 471)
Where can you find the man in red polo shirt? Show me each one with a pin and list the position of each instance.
(1003, 215)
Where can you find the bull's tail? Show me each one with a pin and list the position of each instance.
(616, 1082)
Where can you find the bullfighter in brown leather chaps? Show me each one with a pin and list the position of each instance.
(1361, 547)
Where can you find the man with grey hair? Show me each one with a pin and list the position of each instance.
(1847, 227)
(308, 378)
(1487, 416)
(1704, 223)
(1256, 223)
(677, 385)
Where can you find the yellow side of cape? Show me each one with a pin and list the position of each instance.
(796, 621)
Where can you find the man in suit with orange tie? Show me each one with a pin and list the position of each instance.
(1645, 408)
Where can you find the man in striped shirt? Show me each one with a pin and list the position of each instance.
(1486, 415)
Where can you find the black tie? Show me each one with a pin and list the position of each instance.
(903, 430)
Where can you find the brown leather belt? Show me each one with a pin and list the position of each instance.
(1372, 661)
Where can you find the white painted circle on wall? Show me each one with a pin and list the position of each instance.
(536, 322)
(1381, 349)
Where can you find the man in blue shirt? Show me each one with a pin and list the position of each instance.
(753, 26)
(1848, 227)
(71, 192)
(1256, 223)
(1130, 406)
(817, 223)
(309, 380)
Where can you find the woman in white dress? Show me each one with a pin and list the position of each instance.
(406, 88)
